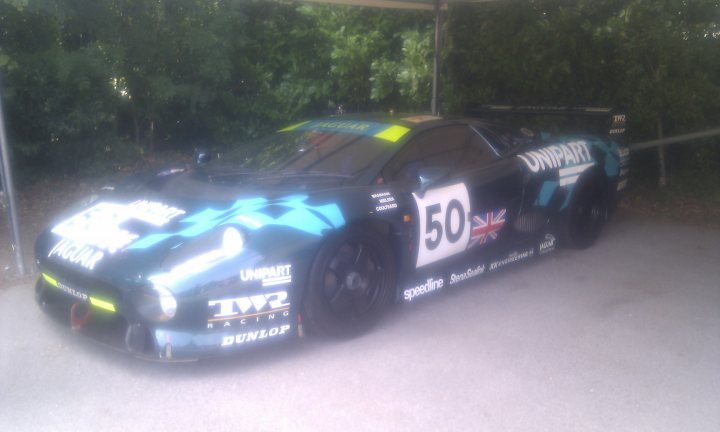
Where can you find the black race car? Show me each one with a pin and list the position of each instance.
(320, 226)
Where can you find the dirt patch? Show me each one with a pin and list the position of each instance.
(675, 207)
(37, 203)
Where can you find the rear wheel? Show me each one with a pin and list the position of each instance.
(587, 212)
(352, 280)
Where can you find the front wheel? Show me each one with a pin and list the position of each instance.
(352, 280)
(587, 212)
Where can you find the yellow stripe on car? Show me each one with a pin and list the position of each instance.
(293, 127)
(393, 133)
(102, 304)
(49, 279)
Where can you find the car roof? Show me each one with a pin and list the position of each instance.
(408, 120)
(412, 121)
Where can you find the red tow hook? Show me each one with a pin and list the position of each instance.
(79, 315)
(300, 328)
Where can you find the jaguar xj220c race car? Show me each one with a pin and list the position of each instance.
(319, 227)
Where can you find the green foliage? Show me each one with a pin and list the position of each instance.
(59, 103)
(378, 59)
(82, 77)
(405, 83)
(660, 60)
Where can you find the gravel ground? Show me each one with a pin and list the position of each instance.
(623, 336)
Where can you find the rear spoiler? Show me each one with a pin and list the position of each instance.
(613, 121)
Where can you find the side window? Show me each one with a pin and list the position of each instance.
(483, 152)
(457, 147)
(504, 139)
(404, 166)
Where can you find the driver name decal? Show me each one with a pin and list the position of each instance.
(384, 201)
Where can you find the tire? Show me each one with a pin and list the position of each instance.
(351, 282)
(587, 212)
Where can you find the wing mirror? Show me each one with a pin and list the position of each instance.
(202, 155)
(430, 176)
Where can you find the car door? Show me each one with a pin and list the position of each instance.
(465, 194)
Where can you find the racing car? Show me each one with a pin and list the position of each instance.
(320, 227)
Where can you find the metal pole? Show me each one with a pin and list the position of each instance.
(676, 139)
(662, 180)
(434, 103)
(7, 183)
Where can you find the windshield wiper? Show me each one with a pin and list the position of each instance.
(290, 173)
(255, 175)
(219, 172)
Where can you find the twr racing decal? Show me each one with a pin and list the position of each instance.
(242, 307)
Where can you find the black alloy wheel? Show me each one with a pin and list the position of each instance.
(352, 281)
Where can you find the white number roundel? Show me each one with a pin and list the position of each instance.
(444, 224)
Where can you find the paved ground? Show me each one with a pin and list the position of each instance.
(622, 337)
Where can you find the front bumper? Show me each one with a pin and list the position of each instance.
(110, 320)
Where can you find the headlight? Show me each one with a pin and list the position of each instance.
(232, 242)
(155, 303)
(201, 254)
(168, 304)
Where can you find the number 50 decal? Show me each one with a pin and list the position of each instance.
(444, 225)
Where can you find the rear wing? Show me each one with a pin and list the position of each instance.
(603, 121)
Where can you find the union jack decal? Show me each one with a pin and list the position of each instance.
(485, 227)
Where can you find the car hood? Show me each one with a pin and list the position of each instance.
(141, 229)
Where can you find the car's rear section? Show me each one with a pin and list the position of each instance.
(603, 128)
(577, 165)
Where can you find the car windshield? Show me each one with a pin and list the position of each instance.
(303, 152)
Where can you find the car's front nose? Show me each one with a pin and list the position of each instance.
(150, 279)
(172, 313)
